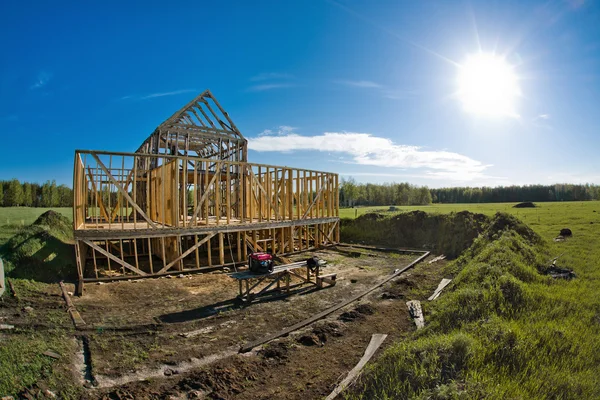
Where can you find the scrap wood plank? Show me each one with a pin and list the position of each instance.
(75, 316)
(438, 258)
(414, 308)
(51, 354)
(2, 286)
(445, 282)
(376, 341)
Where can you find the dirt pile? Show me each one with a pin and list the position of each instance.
(42, 251)
(525, 204)
(448, 234)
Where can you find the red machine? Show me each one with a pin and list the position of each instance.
(260, 263)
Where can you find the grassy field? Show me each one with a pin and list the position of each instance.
(14, 218)
(503, 330)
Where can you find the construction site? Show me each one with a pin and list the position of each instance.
(202, 275)
(188, 200)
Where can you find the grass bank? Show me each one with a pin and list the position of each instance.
(503, 329)
(13, 219)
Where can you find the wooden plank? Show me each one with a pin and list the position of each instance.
(415, 311)
(188, 252)
(205, 195)
(145, 233)
(75, 316)
(445, 282)
(315, 201)
(436, 259)
(376, 341)
(2, 284)
(98, 198)
(114, 258)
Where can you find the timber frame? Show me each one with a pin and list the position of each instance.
(189, 201)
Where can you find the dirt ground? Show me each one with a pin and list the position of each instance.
(178, 337)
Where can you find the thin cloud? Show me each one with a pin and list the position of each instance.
(42, 80)
(158, 94)
(265, 76)
(279, 131)
(269, 86)
(366, 149)
(163, 94)
(361, 84)
(383, 90)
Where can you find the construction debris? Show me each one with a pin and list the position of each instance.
(2, 285)
(376, 341)
(75, 316)
(436, 259)
(415, 311)
(445, 282)
(51, 354)
(202, 331)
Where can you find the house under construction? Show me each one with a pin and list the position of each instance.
(189, 200)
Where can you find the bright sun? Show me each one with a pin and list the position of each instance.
(488, 86)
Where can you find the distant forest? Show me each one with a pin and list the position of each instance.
(14, 193)
(369, 194)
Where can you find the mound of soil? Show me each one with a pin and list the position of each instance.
(504, 222)
(526, 204)
(358, 313)
(448, 234)
(277, 351)
(42, 251)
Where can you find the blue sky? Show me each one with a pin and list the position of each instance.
(368, 89)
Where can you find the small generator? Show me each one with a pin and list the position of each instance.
(260, 263)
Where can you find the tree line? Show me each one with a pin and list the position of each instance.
(14, 194)
(370, 194)
(513, 194)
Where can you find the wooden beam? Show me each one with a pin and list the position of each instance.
(187, 253)
(376, 341)
(123, 192)
(205, 194)
(98, 198)
(114, 258)
(316, 199)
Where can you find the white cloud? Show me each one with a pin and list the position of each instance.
(366, 149)
(157, 94)
(265, 76)
(269, 86)
(42, 80)
(543, 116)
(279, 131)
(361, 84)
(163, 94)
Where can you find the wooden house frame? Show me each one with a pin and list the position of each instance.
(188, 201)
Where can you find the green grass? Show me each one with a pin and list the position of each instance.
(502, 329)
(14, 218)
(42, 251)
(22, 364)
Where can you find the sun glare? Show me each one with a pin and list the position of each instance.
(488, 86)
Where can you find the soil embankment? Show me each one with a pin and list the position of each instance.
(448, 234)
